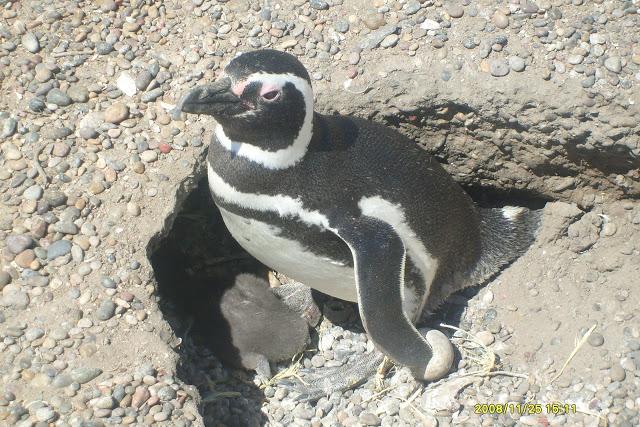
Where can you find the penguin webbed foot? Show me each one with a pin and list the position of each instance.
(297, 296)
(314, 383)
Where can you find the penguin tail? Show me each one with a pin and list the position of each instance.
(506, 233)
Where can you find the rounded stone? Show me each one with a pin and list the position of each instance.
(58, 97)
(37, 105)
(166, 393)
(116, 113)
(33, 193)
(45, 414)
(84, 375)
(613, 64)
(617, 373)
(596, 339)
(17, 243)
(373, 21)
(500, 20)
(499, 68)
(25, 258)
(104, 48)
(485, 337)
(32, 334)
(149, 156)
(30, 42)
(319, 4)
(5, 279)
(455, 10)
(58, 249)
(106, 310)
(88, 132)
(78, 93)
(517, 64)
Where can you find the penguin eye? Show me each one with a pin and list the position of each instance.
(271, 95)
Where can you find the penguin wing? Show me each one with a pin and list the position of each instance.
(379, 261)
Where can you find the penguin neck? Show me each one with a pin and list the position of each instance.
(292, 150)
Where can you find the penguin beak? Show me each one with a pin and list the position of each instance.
(215, 99)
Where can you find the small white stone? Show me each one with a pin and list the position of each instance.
(597, 38)
(485, 337)
(126, 84)
(149, 156)
(430, 24)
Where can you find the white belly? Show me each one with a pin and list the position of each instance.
(288, 257)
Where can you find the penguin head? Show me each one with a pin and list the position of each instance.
(264, 97)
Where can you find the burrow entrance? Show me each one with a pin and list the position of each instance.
(194, 264)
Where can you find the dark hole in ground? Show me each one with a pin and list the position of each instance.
(199, 259)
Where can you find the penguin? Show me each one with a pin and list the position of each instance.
(347, 206)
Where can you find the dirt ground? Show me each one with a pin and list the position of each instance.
(538, 138)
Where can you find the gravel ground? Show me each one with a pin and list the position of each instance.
(531, 101)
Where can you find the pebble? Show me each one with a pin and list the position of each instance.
(78, 93)
(618, 373)
(369, 419)
(106, 310)
(104, 48)
(32, 334)
(33, 193)
(116, 113)
(5, 279)
(597, 38)
(127, 84)
(430, 24)
(88, 132)
(37, 105)
(499, 68)
(389, 41)
(152, 95)
(9, 127)
(373, 21)
(143, 80)
(500, 20)
(58, 97)
(613, 64)
(30, 42)
(596, 339)
(149, 156)
(516, 63)
(319, 4)
(528, 6)
(485, 337)
(14, 298)
(45, 414)
(58, 249)
(376, 37)
(84, 375)
(454, 10)
(140, 396)
(17, 243)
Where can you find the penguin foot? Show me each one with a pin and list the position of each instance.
(316, 383)
(312, 384)
(297, 296)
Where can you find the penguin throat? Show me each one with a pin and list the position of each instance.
(271, 151)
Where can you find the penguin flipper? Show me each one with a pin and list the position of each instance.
(379, 261)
